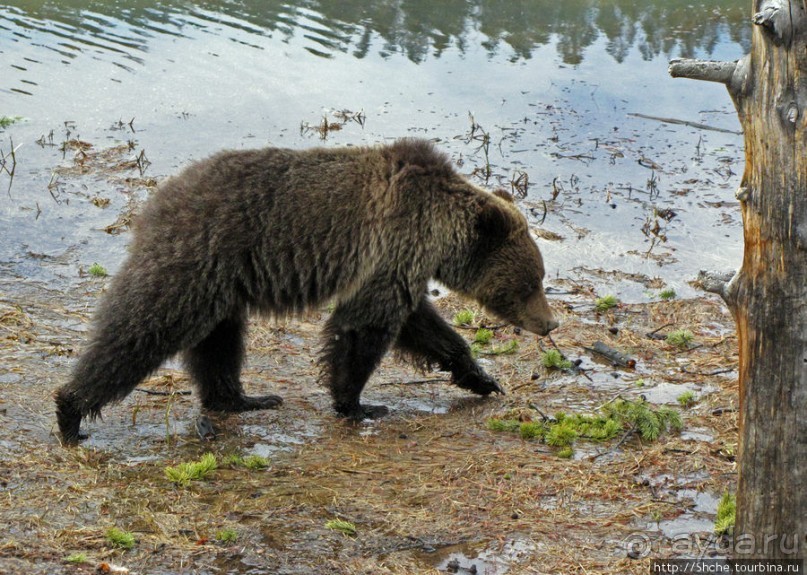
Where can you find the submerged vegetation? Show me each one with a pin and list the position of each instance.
(6, 121)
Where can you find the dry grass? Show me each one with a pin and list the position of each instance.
(416, 485)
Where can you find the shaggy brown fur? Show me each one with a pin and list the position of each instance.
(278, 231)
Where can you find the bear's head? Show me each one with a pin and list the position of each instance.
(508, 270)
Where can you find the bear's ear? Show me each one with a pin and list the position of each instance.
(504, 194)
(494, 220)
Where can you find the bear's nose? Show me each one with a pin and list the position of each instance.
(551, 325)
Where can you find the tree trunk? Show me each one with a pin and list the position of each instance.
(768, 295)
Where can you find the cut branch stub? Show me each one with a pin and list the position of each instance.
(734, 75)
(708, 70)
(720, 283)
(774, 17)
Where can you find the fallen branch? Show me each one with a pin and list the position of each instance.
(654, 334)
(612, 355)
(684, 123)
(418, 381)
(165, 393)
(581, 157)
(629, 433)
(708, 373)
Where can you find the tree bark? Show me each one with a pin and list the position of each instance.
(768, 295)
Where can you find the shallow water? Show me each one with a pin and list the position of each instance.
(553, 85)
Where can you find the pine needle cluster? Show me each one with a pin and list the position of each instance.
(615, 418)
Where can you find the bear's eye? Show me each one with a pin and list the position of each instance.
(530, 289)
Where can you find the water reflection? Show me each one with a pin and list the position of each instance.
(418, 29)
(545, 79)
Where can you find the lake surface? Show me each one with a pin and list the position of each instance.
(554, 85)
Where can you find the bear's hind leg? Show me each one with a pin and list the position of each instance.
(427, 336)
(109, 369)
(215, 367)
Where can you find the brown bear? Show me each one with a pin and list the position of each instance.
(277, 231)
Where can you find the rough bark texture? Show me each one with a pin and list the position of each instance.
(768, 296)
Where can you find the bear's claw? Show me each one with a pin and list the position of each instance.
(480, 383)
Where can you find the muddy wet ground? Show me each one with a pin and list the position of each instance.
(429, 489)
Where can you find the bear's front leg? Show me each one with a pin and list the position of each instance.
(427, 336)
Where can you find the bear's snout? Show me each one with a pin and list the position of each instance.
(540, 327)
(537, 316)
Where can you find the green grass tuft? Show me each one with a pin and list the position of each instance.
(680, 338)
(553, 359)
(342, 526)
(531, 430)
(483, 336)
(464, 317)
(566, 452)
(119, 538)
(232, 460)
(686, 399)
(255, 462)
(605, 303)
(667, 294)
(508, 347)
(649, 423)
(77, 558)
(227, 536)
(184, 473)
(562, 434)
(509, 425)
(726, 514)
(97, 271)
